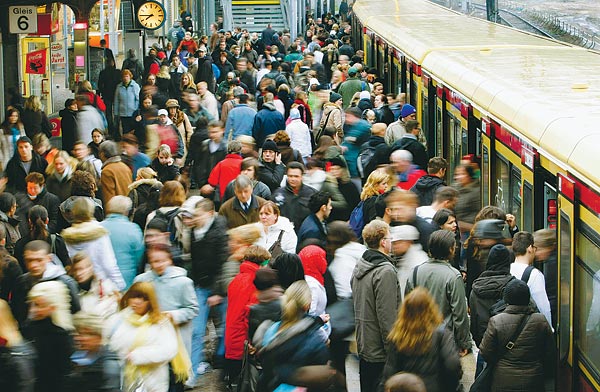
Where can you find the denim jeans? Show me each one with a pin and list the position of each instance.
(199, 327)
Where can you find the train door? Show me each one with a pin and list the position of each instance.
(428, 123)
(486, 154)
(566, 244)
(457, 139)
(35, 70)
(438, 142)
(507, 190)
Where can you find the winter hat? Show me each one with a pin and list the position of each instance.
(334, 97)
(294, 114)
(338, 161)
(516, 292)
(314, 262)
(365, 95)
(172, 103)
(407, 110)
(269, 145)
(352, 71)
(498, 258)
(404, 233)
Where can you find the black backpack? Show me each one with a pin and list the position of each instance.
(365, 161)
(501, 304)
(170, 217)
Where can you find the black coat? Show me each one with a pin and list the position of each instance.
(352, 196)
(439, 367)
(271, 174)
(103, 375)
(294, 206)
(16, 173)
(54, 348)
(205, 72)
(412, 145)
(487, 290)
(263, 311)
(202, 160)
(520, 369)
(17, 364)
(425, 188)
(60, 249)
(209, 254)
(46, 199)
(36, 122)
(68, 129)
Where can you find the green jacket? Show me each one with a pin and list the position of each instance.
(350, 87)
(446, 286)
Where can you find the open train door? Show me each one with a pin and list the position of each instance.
(566, 219)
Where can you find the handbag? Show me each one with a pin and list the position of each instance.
(483, 382)
(276, 250)
(321, 129)
(341, 315)
(249, 373)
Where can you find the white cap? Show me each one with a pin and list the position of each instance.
(404, 233)
(313, 81)
(365, 94)
(163, 111)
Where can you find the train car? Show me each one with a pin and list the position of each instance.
(530, 108)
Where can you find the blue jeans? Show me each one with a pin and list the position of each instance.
(199, 327)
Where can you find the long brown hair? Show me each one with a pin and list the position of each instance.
(146, 291)
(418, 317)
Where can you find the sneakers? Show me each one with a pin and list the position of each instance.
(189, 384)
(203, 367)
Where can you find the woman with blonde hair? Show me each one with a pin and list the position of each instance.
(187, 85)
(419, 344)
(59, 174)
(145, 340)
(294, 348)
(378, 182)
(50, 323)
(180, 119)
(87, 235)
(34, 118)
(17, 357)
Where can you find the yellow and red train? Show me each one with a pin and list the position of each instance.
(530, 107)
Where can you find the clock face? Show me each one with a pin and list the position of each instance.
(151, 15)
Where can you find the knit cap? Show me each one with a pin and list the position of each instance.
(269, 145)
(407, 110)
(334, 97)
(516, 292)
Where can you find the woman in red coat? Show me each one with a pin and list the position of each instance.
(241, 294)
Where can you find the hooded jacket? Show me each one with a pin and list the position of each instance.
(314, 263)
(19, 305)
(520, 369)
(486, 291)
(140, 190)
(176, 296)
(425, 188)
(289, 240)
(332, 118)
(267, 122)
(376, 294)
(93, 239)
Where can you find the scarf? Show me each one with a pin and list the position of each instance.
(180, 364)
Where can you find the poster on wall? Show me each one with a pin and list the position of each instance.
(36, 62)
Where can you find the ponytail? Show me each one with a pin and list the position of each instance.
(38, 216)
(296, 302)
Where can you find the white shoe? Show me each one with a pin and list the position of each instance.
(189, 384)
(203, 367)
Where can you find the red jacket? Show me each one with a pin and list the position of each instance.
(241, 294)
(225, 171)
(408, 180)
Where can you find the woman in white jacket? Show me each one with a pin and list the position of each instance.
(272, 225)
(144, 339)
(299, 134)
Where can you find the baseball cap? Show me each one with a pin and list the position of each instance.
(163, 111)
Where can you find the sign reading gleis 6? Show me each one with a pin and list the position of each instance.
(22, 19)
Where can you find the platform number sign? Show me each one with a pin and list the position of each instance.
(23, 19)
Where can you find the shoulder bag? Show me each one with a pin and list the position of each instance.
(483, 382)
(275, 250)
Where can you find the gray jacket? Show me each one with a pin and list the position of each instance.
(446, 285)
(376, 294)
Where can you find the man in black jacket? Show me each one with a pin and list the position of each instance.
(410, 142)
(37, 195)
(293, 198)
(205, 70)
(204, 155)
(426, 186)
(25, 161)
(209, 251)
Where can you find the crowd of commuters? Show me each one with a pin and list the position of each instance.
(268, 186)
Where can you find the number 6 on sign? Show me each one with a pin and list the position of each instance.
(22, 19)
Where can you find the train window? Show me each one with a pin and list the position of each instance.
(515, 194)
(464, 141)
(425, 117)
(564, 320)
(587, 317)
(455, 152)
(527, 207)
(485, 175)
(413, 90)
(502, 195)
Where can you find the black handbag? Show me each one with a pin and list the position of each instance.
(341, 315)
(483, 382)
(276, 250)
(249, 373)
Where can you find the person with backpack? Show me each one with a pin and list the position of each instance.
(410, 143)
(487, 290)
(134, 65)
(524, 249)
(372, 153)
(171, 198)
(377, 184)
(518, 366)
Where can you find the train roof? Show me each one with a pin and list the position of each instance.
(547, 91)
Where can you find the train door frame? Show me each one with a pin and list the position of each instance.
(488, 151)
(546, 213)
(566, 242)
(428, 109)
(45, 80)
(455, 126)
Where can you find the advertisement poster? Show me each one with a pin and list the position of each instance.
(36, 62)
